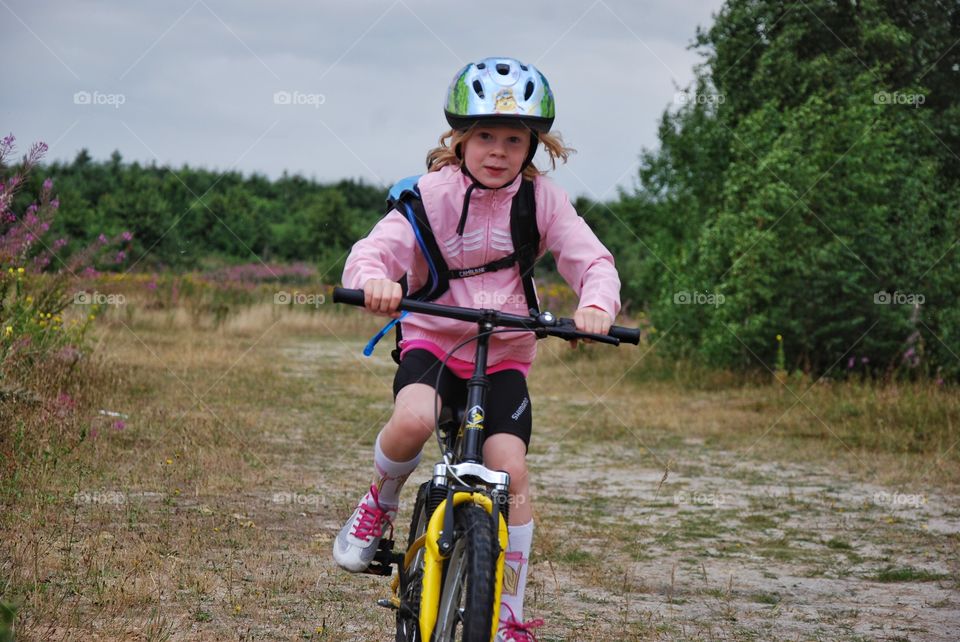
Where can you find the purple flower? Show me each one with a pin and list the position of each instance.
(126, 236)
(48, 185)
(32, 208)
(909, 353)
(119, 425)
(851, 362)
(55, 203)
(864, 359)
(59, 243)
(102, 239)
(121, 255)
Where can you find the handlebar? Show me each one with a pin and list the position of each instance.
(545, 324)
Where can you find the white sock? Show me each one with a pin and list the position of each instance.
(390, 475)
(515, 570)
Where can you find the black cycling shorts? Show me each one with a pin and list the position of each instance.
(507, 409)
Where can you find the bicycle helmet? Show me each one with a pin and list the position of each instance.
(500, 91)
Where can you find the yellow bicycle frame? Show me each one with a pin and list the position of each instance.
(433, 563)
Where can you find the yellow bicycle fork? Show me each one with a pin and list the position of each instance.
(433, 563)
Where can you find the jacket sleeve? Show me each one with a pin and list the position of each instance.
(387, 252)
(582, 260)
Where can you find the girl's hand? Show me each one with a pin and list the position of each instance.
(382, 296)
(593, 320)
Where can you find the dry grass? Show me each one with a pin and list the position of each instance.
(210, 514)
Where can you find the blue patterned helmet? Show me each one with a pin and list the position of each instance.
(500, 91)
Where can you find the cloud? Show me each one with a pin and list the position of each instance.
(198, 79)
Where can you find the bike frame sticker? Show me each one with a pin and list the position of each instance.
(474, 418)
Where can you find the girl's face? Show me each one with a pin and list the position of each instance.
(494, 154)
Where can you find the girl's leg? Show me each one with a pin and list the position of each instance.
(503, 451)
(395, 455)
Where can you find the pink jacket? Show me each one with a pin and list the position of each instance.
(390, 250)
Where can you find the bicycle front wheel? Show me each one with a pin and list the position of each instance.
(466, 599)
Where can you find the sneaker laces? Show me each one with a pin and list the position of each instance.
(371, 518)
(514, 629)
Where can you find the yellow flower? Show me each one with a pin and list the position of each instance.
(58, 319)
(20, 270)
(29, 299)
(169, 461)
(91, 317)
(9, 330)
(779, 338)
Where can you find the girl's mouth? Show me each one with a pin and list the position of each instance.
(496, 171)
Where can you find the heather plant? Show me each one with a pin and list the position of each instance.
(38, 283)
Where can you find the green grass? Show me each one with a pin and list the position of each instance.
(907, 574)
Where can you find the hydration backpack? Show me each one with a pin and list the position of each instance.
(404, 196)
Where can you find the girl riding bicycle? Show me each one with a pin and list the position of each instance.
(499, 110)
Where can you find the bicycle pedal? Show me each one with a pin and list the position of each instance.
(389, 603)
(377, 568)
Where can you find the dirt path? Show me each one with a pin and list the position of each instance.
(726, 547)
(733, 544)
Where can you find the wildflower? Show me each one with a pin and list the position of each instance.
(126, 236)
(779, 338)
(47, 185)
(9, 330)
(102, 239)
(55, 203)
(20, 270)
(169, 461)
(119, 425)
(121, 255)
(852, 361)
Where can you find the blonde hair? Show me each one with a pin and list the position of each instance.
(446, 153)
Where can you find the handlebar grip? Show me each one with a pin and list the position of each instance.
(348, 296)
(626, 335)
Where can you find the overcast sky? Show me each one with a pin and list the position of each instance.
(194, 81)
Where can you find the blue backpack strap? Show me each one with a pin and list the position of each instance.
(404, 196)
(405, 187)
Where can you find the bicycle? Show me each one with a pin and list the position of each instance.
(450, 576)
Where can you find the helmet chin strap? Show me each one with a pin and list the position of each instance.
(534, 141)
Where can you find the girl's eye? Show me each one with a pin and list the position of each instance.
(515, 140)
(485, 135)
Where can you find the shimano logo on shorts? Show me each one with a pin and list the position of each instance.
(519, 411)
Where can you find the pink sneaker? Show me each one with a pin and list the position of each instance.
(513, 630)
(357, 542)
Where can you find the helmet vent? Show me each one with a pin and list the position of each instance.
(477, 87)
(528, 91)
(503, 69)
(481, 65)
